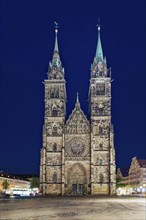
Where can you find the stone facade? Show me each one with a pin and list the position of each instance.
(78, 155)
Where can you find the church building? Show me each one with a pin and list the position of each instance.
(78, 155)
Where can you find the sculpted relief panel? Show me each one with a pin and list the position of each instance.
(54, 92)
(54, 109)
(102, 144)
(101, 108)
(100, 127)
(53, 159)
(77, 124)
(54, 128)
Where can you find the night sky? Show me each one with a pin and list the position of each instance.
(26, 47)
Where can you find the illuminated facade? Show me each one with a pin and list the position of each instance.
(133, 180)
(137, 173)
(13, 182)
(78, 155)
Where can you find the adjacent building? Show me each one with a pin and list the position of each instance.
(137, 174)
(133, 179)
(78, 155)
(13, 182)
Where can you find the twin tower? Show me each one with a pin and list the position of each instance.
(78, 155)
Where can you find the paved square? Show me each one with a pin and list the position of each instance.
(73, 208)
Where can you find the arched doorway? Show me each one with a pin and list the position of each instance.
(77, 179)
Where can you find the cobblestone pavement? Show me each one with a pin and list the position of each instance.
(73, 208)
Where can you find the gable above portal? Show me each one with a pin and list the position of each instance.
(77, 122)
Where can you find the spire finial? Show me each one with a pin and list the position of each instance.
(56, 41)
(77, 97)
(98, 25)
(56, 27)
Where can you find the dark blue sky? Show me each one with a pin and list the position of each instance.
(26, 46)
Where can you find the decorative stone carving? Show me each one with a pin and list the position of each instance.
(54, 129)
(77, 147)
(101, 108)
(99, 70)
(100, 127)
(55, 74)
(77, 123)
(77, 174)
(108, 89)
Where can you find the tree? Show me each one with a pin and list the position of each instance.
(5, 185)
(34, 182)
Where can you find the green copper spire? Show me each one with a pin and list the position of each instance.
(99, 52)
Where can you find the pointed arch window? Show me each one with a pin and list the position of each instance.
(54, 178)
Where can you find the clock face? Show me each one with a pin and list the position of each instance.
(77, 148)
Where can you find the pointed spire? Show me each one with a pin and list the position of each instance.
(56, 40)
(77, 97)
(56, 57)
(99, 52)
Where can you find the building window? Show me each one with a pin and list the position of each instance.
(101, 178)
(54, 147)
(100, 146)
(52, 94)
(100, 161)
(54, 177)
(100, 89)
(54, 132)
(100, 111)
(100, 130)
(54, 112)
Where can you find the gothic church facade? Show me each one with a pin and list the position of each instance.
(78, 155)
